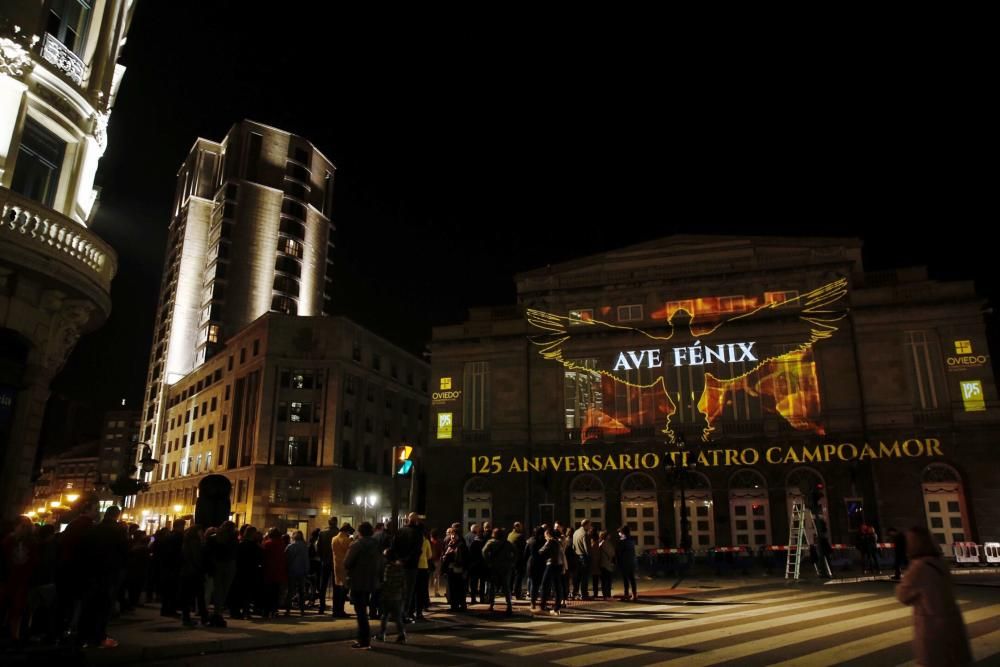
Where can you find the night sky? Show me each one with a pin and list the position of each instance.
(471, 148)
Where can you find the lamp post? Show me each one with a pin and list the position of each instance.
(677, 471)
(366, 503)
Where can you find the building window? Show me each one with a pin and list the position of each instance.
(300, 412)
(356, 351)
(376, 361)
(225, 421)
(256, 348)
(302, 380)
(215, 403)
(349, 385)
(631, 313)
(290, 247)
(371, 393)
(253, 156)
(922, 369)
(208, 461)
(241, 491)
(213, 333)
(780, 297)
(39, 160)
(477, 400)
(731, 304)
(289, 207)
(348, 418)
(284, 304)
(583, 396)
(211, 431)
(68, 21)
(286, 284)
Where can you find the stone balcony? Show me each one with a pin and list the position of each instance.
(42, 237)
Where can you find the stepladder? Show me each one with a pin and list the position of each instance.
(801, 532)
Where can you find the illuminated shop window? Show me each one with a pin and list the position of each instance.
(700, 510)
(631, 313)
(640, 509)
(749, 509)
(944, 504)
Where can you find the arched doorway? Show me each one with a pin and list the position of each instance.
(640, 510)
(798, 485)
(477, 505)
(587, 500)
(700, 509)
(749, 509)
(944, 504)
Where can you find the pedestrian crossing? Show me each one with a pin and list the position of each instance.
(772, 627)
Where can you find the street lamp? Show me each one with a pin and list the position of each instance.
(366, 503)
(72, 497)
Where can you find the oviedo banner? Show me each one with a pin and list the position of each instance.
(710, 458)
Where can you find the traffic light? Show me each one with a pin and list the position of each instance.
(815, 496)
(401, 455)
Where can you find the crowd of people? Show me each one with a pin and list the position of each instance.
(66, 586)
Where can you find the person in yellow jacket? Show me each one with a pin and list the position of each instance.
(421, 595)
(339, 545)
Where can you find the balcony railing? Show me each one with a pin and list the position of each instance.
(65, 60)
(30, 223)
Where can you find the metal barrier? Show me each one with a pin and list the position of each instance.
(992, 552)
(658, 562)
(886, 554)
(774, 557)
(842, 556)
(966, 553)
(728, 559)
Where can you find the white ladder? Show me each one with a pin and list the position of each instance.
(797, 539)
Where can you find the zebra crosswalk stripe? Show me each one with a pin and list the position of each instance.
(805, 600)
(863, 647)
(834, 655)
(745, 628)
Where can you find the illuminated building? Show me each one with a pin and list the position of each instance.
(249, 234)
(778, 362)
(300, 414)
(71, 472)
(59, 76)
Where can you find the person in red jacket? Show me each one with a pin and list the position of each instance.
(275, 571)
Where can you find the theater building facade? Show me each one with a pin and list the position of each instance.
(737, 373)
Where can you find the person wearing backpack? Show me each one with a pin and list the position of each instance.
(500, 556)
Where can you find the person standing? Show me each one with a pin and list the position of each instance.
(297, 562)
(249, 561)
(626, 562)
(340, 544)
(939, 635)
(408, 547)
(392, 596)
(324, 550)
(499, 555)
(453, 564)
(516, 538)
(220, 553)
(581, 549)
(554, 554)
(898, 539)
(607, 556)
(363, 566)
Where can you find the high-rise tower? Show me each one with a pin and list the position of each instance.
(249, 234)
(59, 75)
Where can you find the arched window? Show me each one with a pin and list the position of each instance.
(750, 512)
(700, 511)
(944, 504)
(798, 485)
(587, 500)
(640, 510)
(478, 503)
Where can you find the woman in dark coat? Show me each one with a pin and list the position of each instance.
(249, 560)
(939, 636)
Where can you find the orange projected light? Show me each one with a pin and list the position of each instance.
(694, 368)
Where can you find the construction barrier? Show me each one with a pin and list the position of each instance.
(966, 553)
(992, 552)
(842, 556)
(774, 558)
